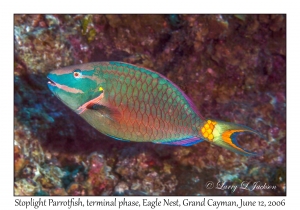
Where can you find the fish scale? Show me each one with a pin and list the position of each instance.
(132, 103)
(158, 117)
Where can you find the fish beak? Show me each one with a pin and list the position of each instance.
(51, 82)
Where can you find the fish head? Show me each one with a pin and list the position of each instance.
(75, 85)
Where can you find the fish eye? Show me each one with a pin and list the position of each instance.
(77, 73)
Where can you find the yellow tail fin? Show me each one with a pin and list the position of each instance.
(224, 135)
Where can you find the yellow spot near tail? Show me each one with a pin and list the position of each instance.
(100, 89)
(207, 129)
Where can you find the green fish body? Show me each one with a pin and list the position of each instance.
(131, 103)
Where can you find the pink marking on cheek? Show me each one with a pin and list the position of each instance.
(83, 107)
(68, 89)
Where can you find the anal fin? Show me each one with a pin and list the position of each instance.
(182, 142)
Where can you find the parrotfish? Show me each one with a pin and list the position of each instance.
(132, 103)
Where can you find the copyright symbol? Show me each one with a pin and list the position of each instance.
(209, 185)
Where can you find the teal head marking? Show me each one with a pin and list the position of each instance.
(75, 85)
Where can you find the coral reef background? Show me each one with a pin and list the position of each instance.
(233, 67)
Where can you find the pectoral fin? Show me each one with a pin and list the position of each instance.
(100, 107)
(96, 100)
(108, 112)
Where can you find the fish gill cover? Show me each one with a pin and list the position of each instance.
(233, 67)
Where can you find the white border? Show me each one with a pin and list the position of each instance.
(8, 8)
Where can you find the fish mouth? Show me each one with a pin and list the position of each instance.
(51, 82)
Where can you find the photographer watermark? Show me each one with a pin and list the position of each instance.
(244, 185)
